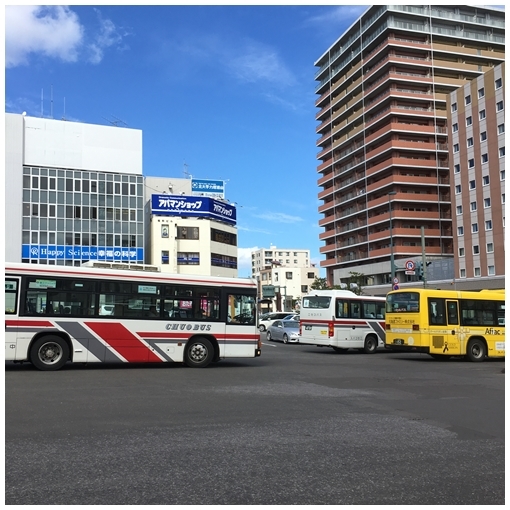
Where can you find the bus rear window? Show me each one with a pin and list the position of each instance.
(316, 302)
(403, 302)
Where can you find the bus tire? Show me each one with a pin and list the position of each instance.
(371, 344)
(199, 353)
(340, 349)
(49, 352)
(476, 350)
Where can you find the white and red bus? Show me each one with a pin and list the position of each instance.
(56, 314)
(342, 320)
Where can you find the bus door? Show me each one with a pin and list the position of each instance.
(12, 289)
(241, 335)
(444, 326)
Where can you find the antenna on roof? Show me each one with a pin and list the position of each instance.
(115, 122)
(185, 171)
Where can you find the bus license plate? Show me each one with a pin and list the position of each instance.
(398, 341)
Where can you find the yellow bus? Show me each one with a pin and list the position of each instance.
(446, 323)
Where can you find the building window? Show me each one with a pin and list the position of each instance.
(501, 152)
(486, 202)
(501, 129)
(165, 231)
(454, 107)
(477, 271)
(502, 175)
(502, 198)
(219, 260)
(490, 248)
(471, 163)
(462, 273)
(498, 83)
(223, 237)
(458, 189)
(485, 158)
(474, 228)
(188, 258)
(470, 141)
(459, 209)
(455, 127)
(482, 114)
(460, 231)
(304, 289)
(187, 233)
(288, 275)
(310, 276)
(472, 184)
(462, 252)
(485, 180)
(468, 99)
(488, 225)
(491, 270)
(469, 121)
(456, 148)
(481, 92)
(165, 257)
(456, 169)
(499, 106)
(472, 206)
(476, 249)
(483, 136)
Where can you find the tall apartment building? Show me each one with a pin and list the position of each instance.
(384, 162)
(477, 151)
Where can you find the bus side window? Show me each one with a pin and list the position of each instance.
(453, 315)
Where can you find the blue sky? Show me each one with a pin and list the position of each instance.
(227, 90)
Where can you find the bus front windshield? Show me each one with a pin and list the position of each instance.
(403, 302)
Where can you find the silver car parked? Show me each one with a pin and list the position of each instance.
(284, 331)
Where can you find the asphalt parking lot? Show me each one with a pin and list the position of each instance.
(299, 425)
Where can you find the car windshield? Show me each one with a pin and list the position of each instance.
(291, 324)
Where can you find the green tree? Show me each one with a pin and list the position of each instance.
(356, 282)
(319, 284)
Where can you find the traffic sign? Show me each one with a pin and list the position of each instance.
(410, 272)
(395, 281)
(395, 287)
(410, 265)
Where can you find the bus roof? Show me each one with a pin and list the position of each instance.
(340, 293)
(16, 268)
(473, 294)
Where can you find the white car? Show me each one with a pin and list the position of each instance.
(106, 310)
(265, 323)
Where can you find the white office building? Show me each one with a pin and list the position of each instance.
(73, 192)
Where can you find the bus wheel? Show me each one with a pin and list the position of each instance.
(371, 344)
(476, 350)
(199, 353)
(49, 353)
(340, 349)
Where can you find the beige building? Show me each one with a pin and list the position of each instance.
(189, 234)
(288, 271)
(384, 161)
(477, 152)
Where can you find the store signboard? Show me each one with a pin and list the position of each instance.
(193, 207)
(208, 188)
(105, 253)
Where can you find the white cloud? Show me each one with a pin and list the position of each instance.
(53, 31)
(338, 14)
(279, 217)
(244, 260)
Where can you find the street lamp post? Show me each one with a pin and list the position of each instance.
(392, 258)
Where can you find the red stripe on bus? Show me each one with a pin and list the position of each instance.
(123, 341)
(24, 323)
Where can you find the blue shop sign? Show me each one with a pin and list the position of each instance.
(106, 253)
(194, 207)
